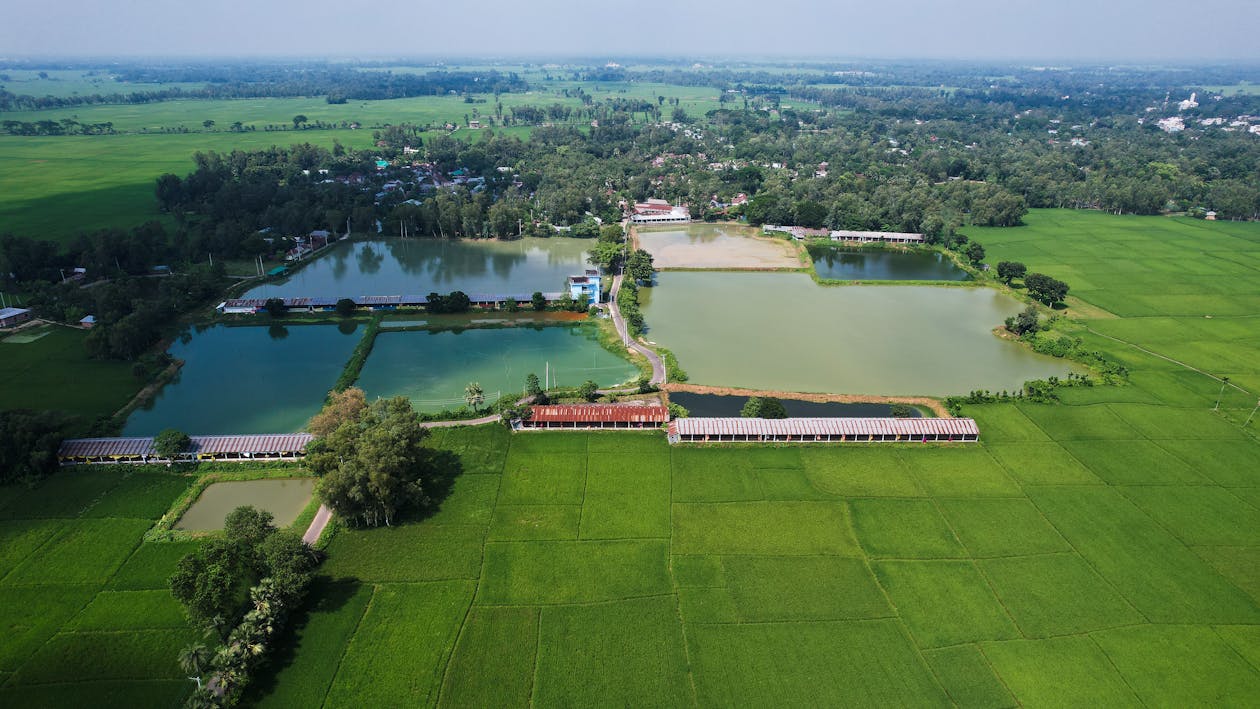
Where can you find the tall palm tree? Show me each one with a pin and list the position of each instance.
(194, 659)
(474, 396)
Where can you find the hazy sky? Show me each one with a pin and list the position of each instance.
(1077, 30)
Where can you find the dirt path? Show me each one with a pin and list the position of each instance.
(658, 366)
(935, 405)
(313, 532)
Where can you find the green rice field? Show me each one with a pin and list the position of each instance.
(87, 616)
(587, 569)
(35, 364)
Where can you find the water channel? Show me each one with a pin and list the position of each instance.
(255, 379)
(783, 332)
(422, 266)
(284, 498)
(432, 367)
(880, 265)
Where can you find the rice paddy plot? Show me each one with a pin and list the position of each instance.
(944, 602)
(1056, 594)
(1059, 672)
(903, 529)
(557, 572)
(1001, 527)
(968, 679)
(1177, 665)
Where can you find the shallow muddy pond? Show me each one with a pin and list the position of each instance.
(422, 266)
(716, 246)
(284, 498)
(256, 379)
(432, 367)
(783, 332)
(717, 405)
(879, 265)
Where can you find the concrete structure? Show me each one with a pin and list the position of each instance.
(250, 306)
(822, 430)
(867, 237)
(14, 316)
(659, 211)
(590, 416)
(282, 446)
(587, 285)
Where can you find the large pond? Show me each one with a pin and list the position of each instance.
(716, 246)
(284, 498)
(783, 332)
(432, 367)
(716, 405)
(255, 379)
(422, 266)
(879, 265)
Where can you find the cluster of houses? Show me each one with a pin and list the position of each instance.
(801, 233)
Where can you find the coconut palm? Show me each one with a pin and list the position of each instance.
(194, 659)
(474, 396)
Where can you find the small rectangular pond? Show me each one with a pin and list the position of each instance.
(432, 367)
(284, 498)
(842, 264)
(716, 246)
(255, 379)
(723, 406)
(783, 332)
(421, 266)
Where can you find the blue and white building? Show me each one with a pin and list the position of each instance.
(585, 285)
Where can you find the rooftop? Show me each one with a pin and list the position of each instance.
(600, 413)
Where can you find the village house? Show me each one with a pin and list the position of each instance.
(586, 285)
(10, 317)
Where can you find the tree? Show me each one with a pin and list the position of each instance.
(974, 253)
(207, 124)
(538, 302)
(589, 390)
(900, 411)
(639, 266)
(274, 307)
(1010, 270)
(194, 659)
(1045, 289)
(606, 255)
(345, 307)
(342, 406)
(376, 467)
(510, 305)
(474, 396)
(248, 526)
(458, 302)
(170, 443)
(532, 386)
(298, 120)
(213, 584)
(1025, 322)
(645, 385)
(763, 408)
(28, 444)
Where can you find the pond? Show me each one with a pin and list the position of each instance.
(432, 367)
(284, 498)
(423, 266)
(248, 380)
(879, 265)
(783, 332)
(716, 246)
(717, 405)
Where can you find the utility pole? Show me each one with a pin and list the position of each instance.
(1253, 414)
(1219, 394)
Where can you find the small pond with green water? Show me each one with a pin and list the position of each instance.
(284, 498)
(422, 266)
(880, 265)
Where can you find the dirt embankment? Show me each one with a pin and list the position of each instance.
(935, 405)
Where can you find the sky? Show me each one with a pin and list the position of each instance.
(1072, 30)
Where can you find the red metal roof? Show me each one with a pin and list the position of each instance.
(255, 444)
(600, 413)
(909, 427)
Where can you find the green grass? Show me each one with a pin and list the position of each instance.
(535, 522)
(903, 529)
(1056, 594)
(854, 663)
(627, 652)
(789, 528)
(859, 472)
(1180, 666)
(493, 662)
(1133, 462)
(626, 497)
(944, 602)
(803, 588)
(136, 654)
(519, 573)
(406, 553)
(1001, 527)
(553, 479)
(150, 565)
(969, 472)
(33, 375)
(395, 662)
(108, 694)
(88, 551)
(1059, 672)
(1041, 463)
(32, 614)
(130, 610)
(968, 679)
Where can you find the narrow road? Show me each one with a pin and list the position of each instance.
(322, 518)
(463, 422)
(658, 366)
